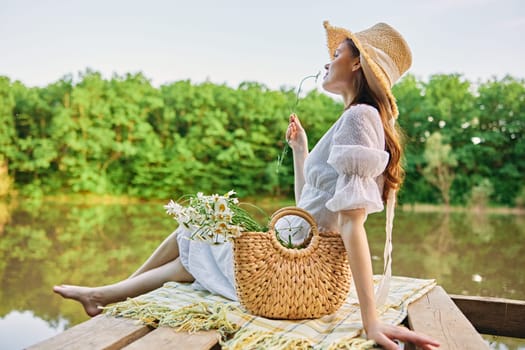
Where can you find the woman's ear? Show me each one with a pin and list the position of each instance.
(356, 65)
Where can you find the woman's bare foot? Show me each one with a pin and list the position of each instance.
(88, 297)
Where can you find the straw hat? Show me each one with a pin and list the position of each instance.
(384, 51)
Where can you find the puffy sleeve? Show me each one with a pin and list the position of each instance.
(357, 155)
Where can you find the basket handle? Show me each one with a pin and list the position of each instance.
(297, 212)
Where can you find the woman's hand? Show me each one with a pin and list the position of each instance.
(384, 334)
(296, 138)
(295, 135)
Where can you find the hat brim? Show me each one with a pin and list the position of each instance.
(336, 35)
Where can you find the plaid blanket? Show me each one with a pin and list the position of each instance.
(328, 332)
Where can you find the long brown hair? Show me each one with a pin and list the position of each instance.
(394, 173)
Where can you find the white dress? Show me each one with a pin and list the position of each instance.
(343, 171)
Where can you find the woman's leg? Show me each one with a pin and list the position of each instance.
(167, 251)
(92, 298)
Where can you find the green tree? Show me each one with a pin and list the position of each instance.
(439, 170)
(480, 194)
(7, 135)
(123, 136)
(500, 131)
(414, 122)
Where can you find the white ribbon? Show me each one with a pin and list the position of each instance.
(381, 292)
(384, 62)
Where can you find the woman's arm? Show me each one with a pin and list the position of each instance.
(351, 226)
(296, 137)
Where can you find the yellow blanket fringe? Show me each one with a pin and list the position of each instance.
(354, 344)
(192, 318)
(206, 316)
(248, 339)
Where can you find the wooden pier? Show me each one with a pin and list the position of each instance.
(452, 320)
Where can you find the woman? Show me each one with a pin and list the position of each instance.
(352, 170)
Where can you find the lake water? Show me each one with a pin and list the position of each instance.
(46, 243)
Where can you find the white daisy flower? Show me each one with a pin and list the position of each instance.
(173, 208)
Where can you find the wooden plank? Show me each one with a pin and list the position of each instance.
(436, 315)
(495, 316)
(165, 338)
(100, 332)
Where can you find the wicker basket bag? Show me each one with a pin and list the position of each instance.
(282, 283)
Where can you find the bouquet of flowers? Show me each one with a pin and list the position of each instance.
(213, 219)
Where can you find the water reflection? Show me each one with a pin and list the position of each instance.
(42, 244)
(15, 325)
(455, 248)
(504, 343)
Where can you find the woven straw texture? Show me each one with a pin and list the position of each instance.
(282, 283)
(384, 49)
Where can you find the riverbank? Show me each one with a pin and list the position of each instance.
(436, 208)
(265, 203)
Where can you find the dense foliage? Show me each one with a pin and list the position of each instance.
(124, 136)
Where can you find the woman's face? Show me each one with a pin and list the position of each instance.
(340, 72)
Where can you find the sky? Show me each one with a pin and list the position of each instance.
(274, 42)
